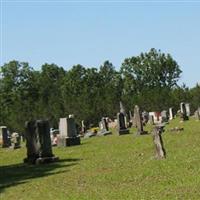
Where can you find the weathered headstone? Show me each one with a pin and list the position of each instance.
(183, 114)
(68, 132)
(38, 143)
(145, 117)
(187, 107)
(32, 142)
(83, 127)
(151, 120)
(164, 117)
(138, 121)
(197, 114)
(121, 125)
(171, 113)
(16, 140)
(6, 142)
(103, 125)
(160, 152)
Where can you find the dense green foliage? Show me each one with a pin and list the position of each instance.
(149, 80)
(112, 167)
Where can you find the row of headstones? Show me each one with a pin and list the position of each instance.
(103, 129)
(7, 140)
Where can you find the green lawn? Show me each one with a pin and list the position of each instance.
(111, 167)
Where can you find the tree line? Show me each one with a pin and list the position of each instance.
(148, 80)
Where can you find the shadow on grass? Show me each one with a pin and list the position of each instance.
(13, 175)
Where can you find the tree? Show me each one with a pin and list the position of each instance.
(149, 73)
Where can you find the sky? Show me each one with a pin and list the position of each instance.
(89, 32)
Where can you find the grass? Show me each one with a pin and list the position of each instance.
(111, 167)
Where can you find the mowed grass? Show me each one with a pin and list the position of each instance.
(111, 167)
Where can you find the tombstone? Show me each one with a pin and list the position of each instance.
(164, 117)
(183, 114)
(160, 152)
(4, 134)
(68, 132)
(103, 125)
(145, 117)
(121, 124)
(38, 143)
(197, 114)
(151, 120)
(138, 121)
(187, 107)
(16, 140)
(32, 142)
(83, 127)
(171, 113)
(122, 109)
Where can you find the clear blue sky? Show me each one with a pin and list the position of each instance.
(90, 32)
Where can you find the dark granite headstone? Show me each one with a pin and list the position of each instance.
(121, 125)
(183, 113)
(6, 141)
(39, 149)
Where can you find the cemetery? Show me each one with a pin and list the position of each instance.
(99, 100)
(111, 167)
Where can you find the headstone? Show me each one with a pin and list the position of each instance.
(83, 127)
(171, 113)
(138, 120)
(122, 109)
(145, 117)
(160, 152)
(16, 140)
(103, 125)
(197, 114)
(121, 124)
(32, 142)
(164, 117)
(151, 120)
(38, 143)
(68, 132)
(183, 113)
(6, 141)
(187, 107)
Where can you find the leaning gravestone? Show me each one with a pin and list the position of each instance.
(121, 125)
(138, 121)
(6, 142)
(103, 125)
(158, 142)
(183, 113)
(68, 132)
(38, 143)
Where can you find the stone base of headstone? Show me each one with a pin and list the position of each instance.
(41, 160)
(142, 133)
(104, 133)
(123, 131)
(46, 160)
(16, 146)
(30, 160)
(69, 141)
